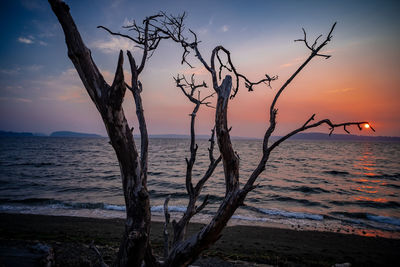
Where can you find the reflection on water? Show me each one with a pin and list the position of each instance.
(366, 165)
(353, 186)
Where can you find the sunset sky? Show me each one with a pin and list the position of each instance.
(40, 90)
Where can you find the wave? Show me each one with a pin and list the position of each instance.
(393, 177)
(114, 207)
(170, 208)
(339, 173)
(384, 219)
(309, 190)
(34, 164)
(368, 219)
(42, 204)
(288, 214)
(290, 199)
(368, 203)
(252, 219)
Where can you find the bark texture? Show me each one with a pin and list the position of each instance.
(108, 100)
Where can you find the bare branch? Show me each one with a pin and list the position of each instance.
(314, 52)
(325, 121)
(231, 68)
(202, 206)
(165, 233)
(119, 34)
(184, 84)
(312, 48)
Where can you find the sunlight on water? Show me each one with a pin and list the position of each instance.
(351, 187)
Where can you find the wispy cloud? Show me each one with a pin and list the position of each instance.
(25, 40)
(12, 71)
(34, 67)
(30, 39)
(341, 90)
(66, 87)
(225, 28)
(211, 21)
(127, 22)
(196, 71)
(295, 61)
(16, 99)
(19, 69)
(202, 31)
(114, 44)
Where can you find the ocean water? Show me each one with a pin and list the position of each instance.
(348, 187)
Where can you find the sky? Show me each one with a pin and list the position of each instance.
(40, 90)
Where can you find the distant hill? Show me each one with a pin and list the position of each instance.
(349, 137)
(185, 136)
(72, 134)
(301, 136)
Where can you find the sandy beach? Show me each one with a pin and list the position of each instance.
(69, 238)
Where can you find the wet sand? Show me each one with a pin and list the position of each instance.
(69, 237)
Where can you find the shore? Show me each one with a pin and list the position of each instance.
(69, 239)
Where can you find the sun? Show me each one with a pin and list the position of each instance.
(366, 125)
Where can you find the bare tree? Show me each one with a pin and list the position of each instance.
(135, 245)
(183, 252)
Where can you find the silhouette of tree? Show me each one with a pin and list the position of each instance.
(135, 248)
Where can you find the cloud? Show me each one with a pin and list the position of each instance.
(342, 90)
(114, 44)
(16, 99)
(30, 39)
(17, 70)
(127, 22)
(34, 67)
(295, 61)
(66, 86)
(202, 31)
(225, 28)
(10, 71)
(196, 71)
(25, 40)
(211, 21)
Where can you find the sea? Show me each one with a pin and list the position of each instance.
(350, 187)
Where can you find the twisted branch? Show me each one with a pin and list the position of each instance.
(189, 89)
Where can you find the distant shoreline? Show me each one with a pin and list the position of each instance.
(301, 136)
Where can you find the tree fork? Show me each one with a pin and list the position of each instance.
(108, 100)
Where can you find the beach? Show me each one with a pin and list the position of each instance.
(70, 237)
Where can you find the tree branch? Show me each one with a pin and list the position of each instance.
(165, 233)
(314, 52)
(117, 90)
(325, 121)
(231, 68)
(189, 89)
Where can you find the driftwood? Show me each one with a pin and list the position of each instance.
(135, 248)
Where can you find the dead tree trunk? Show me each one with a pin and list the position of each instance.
(186, 251)
(135, 245)
(108, 100)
